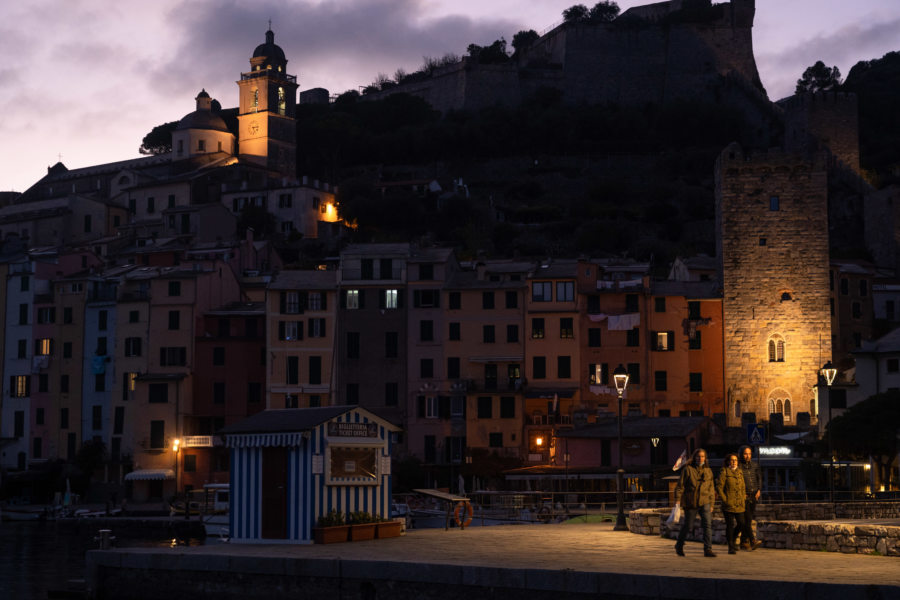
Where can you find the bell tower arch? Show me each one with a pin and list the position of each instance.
(267, 110)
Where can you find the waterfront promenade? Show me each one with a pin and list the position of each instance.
(516, 561)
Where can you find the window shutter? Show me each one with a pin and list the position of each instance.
(280, 330)
(324, 296)
(343, 298)
(283, 303)
(362, 298)
(182, 356)
(444, 406)
(381, 299)
(400, 294)
(671, 337)
(417, 298)
(303, 300)
(37, 347)
(162, 357)
(420, 403)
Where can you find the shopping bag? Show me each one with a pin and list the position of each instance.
(675, 516)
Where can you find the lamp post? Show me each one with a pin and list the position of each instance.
(829, 373)
(175, 445)
(620, 377)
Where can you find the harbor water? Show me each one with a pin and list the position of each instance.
(40, 560)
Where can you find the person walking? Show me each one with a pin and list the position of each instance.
(695, 492)
(730, 488)
(752, 483)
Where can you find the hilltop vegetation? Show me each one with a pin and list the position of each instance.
(541, 177)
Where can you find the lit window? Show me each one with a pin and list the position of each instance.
(352, 299)
(22, 386)
(44, 347)
(391, 298)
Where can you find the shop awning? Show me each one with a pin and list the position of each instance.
(150, 475)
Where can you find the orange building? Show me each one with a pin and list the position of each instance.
(300, 331)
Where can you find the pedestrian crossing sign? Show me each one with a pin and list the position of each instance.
(756, 434)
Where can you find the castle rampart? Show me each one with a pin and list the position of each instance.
(829, 118)
(672, 50)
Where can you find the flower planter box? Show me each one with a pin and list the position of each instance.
(331, 535)
(363, 531)
(388, 529)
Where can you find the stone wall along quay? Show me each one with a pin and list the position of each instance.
(819, 527)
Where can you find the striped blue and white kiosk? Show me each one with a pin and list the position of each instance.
(290, 466)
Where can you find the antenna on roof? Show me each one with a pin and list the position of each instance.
(270, 24)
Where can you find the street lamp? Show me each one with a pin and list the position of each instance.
(620, 377)
(829, 372)
(175, 446)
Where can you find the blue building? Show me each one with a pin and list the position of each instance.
(290, 466)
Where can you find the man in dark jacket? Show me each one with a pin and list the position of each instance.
(695, 492)
(752, 484)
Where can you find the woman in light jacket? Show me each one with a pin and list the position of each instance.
(730, 488)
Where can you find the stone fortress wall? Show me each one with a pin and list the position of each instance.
(829, 119)
(774, 264)
(648, 55)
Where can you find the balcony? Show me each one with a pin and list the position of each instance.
(199, 441)
(268, 73)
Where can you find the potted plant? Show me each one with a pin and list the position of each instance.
(362, 526)
(331, 528)
(388, 528)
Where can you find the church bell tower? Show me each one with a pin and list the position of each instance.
(266, 118)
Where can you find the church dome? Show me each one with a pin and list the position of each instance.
(270, 52)
(203, 117)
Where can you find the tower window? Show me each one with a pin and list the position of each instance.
(776, 349)
(281, 101)
(255, 102)
(774, 203)
(201, 145)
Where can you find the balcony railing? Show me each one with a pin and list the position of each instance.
(268, 73)
(198, 441)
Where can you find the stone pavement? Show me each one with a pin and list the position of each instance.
(576, 560)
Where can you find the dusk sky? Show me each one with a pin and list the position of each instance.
(88, 79)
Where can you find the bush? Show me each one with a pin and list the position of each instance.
(332, 519)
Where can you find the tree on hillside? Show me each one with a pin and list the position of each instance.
(870, 428)
(523, 39)
(489, 55)
(159, 140)
(604, 11)
(576, 13)
(819, 78)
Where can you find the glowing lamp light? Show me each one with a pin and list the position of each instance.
(620, 377)
(829, 372)
(175, 445)
(539, 441)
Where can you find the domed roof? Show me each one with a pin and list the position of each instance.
(270, 49)
(202, 119)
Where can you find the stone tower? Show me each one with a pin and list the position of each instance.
(266, 127)
(772, 246)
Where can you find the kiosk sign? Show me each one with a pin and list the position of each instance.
(351, 430)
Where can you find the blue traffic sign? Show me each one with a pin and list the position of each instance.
(756, 434)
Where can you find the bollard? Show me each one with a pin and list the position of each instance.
(105, 539)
